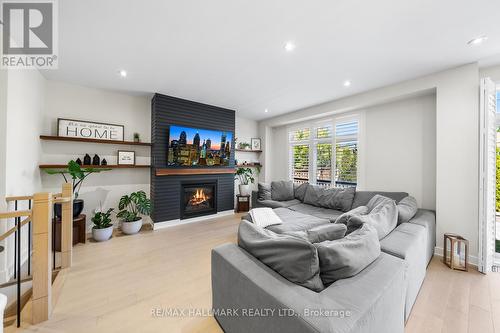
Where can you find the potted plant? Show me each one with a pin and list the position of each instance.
(102, 229)
(132, 208)
(245, 177)
(78, 175)
(244, 145)
(137, 137)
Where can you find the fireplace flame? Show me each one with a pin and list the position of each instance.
(198, 197)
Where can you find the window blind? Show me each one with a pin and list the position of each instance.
(346, 153)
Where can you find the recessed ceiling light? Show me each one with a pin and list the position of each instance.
(266, 110)
(123, 73)
(347, 83)
(477, 40)
(290, 46)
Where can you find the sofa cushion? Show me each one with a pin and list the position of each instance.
(323, 213)
(282, 190)
(321, 233)
(407, 208)
(264, 191)
(408, 241)
(292, 257)
(278, 204)
(345, 217)
(333, 198)
(361, 198)
(294, 221)
(346, 257)
(300, 191)
(383, 216)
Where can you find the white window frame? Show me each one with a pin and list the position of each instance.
(313, 141)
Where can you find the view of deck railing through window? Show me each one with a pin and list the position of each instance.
(315, 149)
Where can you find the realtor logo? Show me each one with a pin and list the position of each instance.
(29, 34)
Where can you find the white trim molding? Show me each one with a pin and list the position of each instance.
(176, 222)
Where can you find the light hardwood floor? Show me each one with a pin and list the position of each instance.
(114, 286)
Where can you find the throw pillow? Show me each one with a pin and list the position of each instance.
(346, 257)
(345, 217)
(321, 233)
(300, 191)
(383, 216)
(282, 190)
(294, 258)
(407, 208)
(264, 191)
(332, 198)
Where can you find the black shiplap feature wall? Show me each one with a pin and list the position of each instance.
(165, 190)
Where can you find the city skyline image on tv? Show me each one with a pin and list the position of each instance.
(190, 146)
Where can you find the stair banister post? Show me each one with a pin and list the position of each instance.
(42, 259)
(67, 226)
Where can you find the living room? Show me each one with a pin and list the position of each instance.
(253, 167)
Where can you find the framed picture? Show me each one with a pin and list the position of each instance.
(126, 157)
(89, 130)
(255, 142)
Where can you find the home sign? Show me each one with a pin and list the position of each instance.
(89, 130)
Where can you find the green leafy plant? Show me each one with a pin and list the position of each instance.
(243, 145)
(244, 176)
(133, 206)
(102, 220)
(77, 174)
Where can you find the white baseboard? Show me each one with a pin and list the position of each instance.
(176, 222)
(438, 251)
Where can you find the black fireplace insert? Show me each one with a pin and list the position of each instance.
(198, 199)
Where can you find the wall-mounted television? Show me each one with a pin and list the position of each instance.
(197, 147)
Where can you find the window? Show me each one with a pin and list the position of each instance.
(346, 153)
(315, 148)
(299, 140)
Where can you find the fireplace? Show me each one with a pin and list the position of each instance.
(198, 199)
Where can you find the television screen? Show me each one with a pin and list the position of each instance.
(198, 147)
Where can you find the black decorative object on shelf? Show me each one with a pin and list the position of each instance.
(78, 161)
(87, 160)
(96, 160)
(104, 162)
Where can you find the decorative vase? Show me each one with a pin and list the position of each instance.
(78, 205)
(87, 160)
(244, 189)
(101, 235)
(79, 161)
(104, 162)
(96, 160)
(130, 228)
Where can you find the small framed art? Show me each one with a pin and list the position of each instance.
(255, 142)
(126, 157)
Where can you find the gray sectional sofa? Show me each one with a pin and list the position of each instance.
(378, 299)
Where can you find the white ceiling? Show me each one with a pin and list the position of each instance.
(230, 53)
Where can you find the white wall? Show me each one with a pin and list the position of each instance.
(65, 100)
(457, 141)
(24, 104)
(246, 129)
(399, 148)
(278, 167)
(394, 155)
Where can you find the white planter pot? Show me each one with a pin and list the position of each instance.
(244, 189)
(101, 235)
(131, 228)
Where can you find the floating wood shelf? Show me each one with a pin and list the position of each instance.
(194, 171)
(109, 142)
(250, 165)
(249, 150)
(64, 166)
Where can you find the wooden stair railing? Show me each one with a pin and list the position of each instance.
(40, 215)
